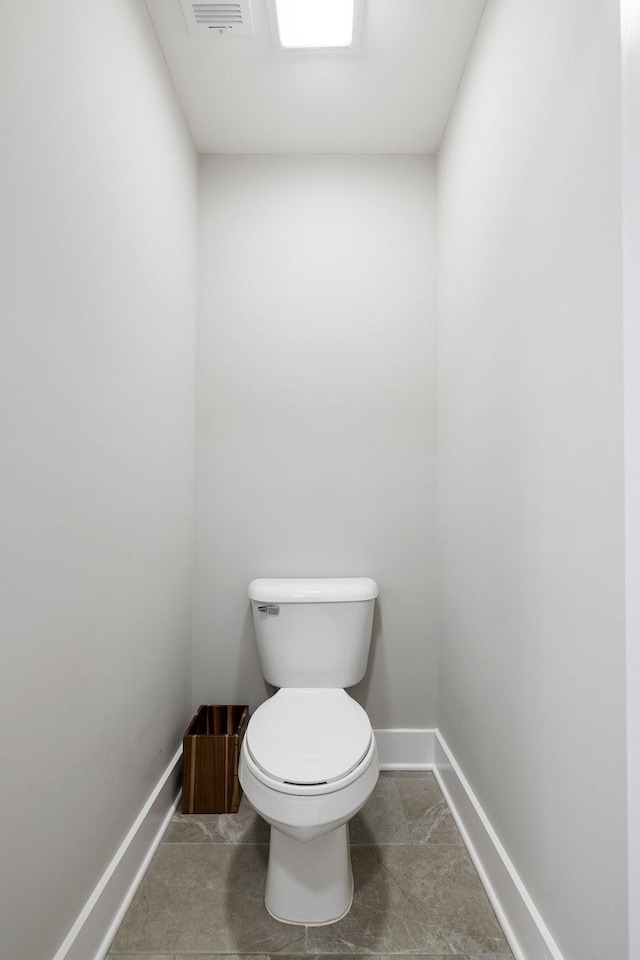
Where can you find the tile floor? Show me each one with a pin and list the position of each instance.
(416, 890)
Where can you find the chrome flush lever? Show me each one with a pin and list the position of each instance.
(272, 608)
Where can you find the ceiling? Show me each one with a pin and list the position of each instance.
(391, 95)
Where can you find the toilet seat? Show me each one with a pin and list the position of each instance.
(308, 737)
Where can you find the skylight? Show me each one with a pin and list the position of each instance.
(320, 24)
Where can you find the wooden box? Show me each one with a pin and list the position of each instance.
(211, 752)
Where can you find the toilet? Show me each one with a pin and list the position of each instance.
(309, 760)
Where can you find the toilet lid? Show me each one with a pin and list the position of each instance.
(308, 736)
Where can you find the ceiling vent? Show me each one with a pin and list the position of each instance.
(218, 19)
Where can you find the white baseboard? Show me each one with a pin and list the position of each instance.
(98, 922)
(524, 928)
(405, 749)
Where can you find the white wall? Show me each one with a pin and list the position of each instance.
(532, 687)
(97, 288)
(316, 408)
(631, 204)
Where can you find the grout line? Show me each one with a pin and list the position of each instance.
(213, 843)
(355, 844)
(306, 952)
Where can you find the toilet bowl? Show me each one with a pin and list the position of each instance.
(308, 763)
(309, 760)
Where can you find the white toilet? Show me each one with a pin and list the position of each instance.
(309, 761)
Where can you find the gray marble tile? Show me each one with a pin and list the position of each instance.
(404, 810)
(245, 826)
(422, 899)
(418, 895)
(382, 819)
(427, 814)
(205, 898)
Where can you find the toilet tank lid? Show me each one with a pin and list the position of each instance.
(322, 590)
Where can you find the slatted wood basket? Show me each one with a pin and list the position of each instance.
(211, 752)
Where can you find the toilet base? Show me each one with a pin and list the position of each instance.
(309, 883)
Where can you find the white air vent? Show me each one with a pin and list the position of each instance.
(218, 19)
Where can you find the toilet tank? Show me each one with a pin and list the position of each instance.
(313, 633)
